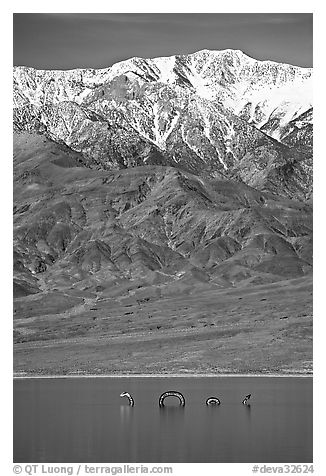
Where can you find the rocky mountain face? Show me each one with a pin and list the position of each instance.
(167, 174)
(218, 114)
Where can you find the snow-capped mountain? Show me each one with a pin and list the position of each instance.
(162, 200)
(206, 112)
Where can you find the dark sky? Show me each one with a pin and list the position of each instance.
(97, 40)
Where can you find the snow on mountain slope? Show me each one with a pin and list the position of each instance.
(227, 76)
(201, 111)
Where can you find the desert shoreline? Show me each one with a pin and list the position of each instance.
(231, 375)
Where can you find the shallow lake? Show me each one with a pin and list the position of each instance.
(72, 420)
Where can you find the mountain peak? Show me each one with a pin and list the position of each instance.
(191, 110)
(227, 51)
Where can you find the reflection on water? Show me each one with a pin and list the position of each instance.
(171, 433)
(84, 420)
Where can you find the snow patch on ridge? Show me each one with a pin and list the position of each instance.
(288, 101)
(166, 65)
(200, 84)
(160, 136)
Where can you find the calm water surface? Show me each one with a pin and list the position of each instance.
(84, 420)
